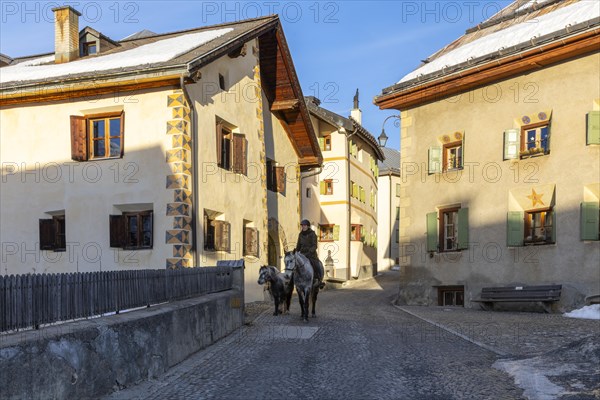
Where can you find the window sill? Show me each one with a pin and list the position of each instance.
(533, 155)
(103, 158)
(537, 243)
(136, 248)
(326, 241)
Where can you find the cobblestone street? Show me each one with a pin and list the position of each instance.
(359, 347)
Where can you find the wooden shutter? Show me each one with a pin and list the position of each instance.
(251, 241)
(79, 141)
(118, 230)
(511, 144)
(590, 229)
(432, 234)
(47, 234)
(336, 232)
(593, 127)
(435, 159)
(515, 231)
(219, 139)
(222, 238)
(280, 179)
(463, 228)
(122, 134)
(240, 150)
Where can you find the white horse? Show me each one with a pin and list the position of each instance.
(307, 286)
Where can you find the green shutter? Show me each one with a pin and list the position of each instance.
(515, 228)
(322, 143)
(362, 194)
(435, 159)
(511, 144)
(463, 228)
(319, 233)
(432, 233)
(336, 232)
(362, 233)
(590, 221)
(593, 127)
(375, 241)
(323, 188)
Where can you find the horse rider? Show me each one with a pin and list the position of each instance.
(307, 245)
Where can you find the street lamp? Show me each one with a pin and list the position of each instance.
(383, 138)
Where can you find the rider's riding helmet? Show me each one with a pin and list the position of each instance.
(305, 222)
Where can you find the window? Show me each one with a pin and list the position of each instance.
(329, 233)
(89, 48)
(531, 227)
(538, 227)
(308, 192)
(535, 140)
(326, 187)
(221, 82)
(276, 178)
(397, 235)
(449, 156)
(232, 149)
(216, 234)
(250, 241)
(453, 156)
(448, 229)
(52, 233)
(397, 190)
(355, 233)
(397, 213)
(590, 221)
(97, 136)
(325, 143)
(131, 230)
(531, 141)
(451, 296)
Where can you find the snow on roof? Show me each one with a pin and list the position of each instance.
(159, 51)
(581, 11)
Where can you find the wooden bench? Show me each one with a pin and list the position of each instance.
(545, 294)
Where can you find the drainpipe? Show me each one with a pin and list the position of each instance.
(391, 214)
(348, 190)
(193, 129)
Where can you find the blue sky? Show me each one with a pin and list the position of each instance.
(337, 46)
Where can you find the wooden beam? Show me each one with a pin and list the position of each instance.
(284, 105)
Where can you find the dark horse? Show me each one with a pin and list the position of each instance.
(307, 286)
(279, 286)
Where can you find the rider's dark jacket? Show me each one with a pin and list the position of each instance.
(307, 243)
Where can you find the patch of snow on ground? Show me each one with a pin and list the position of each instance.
(531, 377)
(587, 312)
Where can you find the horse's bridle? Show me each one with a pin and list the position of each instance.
(291, 269)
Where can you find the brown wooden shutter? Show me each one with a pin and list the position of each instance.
(222, 235)
(280, 179)
(118, 230)
(251, 241)
(219, 142)
(122, 134)
(47, 234)
(79, 142)
(240, 165)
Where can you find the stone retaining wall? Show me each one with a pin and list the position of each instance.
(94, 357)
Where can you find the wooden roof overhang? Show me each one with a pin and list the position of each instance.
(469, 78)
(285, 98)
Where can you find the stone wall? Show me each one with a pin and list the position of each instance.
(94, 357)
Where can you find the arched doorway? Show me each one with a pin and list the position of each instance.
(273, 255)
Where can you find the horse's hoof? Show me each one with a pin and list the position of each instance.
(305, 319)
(314, 315)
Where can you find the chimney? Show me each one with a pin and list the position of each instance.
(356, 113)
(66, 34)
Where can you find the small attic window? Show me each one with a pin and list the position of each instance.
(221, 81)
(90, 48)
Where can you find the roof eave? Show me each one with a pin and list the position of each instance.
(456, 82)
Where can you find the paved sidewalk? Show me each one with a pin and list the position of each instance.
(515, 334)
